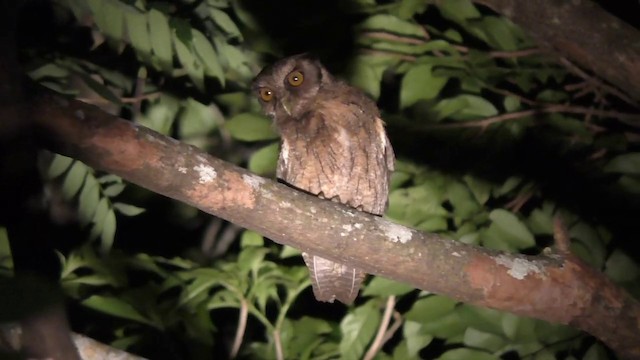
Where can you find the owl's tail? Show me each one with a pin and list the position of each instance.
(332, 281)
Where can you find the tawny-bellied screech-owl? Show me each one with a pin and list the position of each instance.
(333, 145)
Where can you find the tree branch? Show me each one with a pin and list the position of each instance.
(558, 288)
(610, 50)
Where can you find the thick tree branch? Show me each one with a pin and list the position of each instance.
(558, 288)
(88, 349)
(583, 32)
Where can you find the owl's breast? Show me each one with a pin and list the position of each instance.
(345, 162)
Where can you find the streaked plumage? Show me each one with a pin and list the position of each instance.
(333, 145)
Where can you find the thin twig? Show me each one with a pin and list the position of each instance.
(378, 342)
(557, 108)
(381, 35)
(242, 326)
(597, 82)
(509, 93)
(484, 122)
(519, 201)
(561, 235)
(278, 345)
(397, 322)
(516, 53)
(141, 80)
(400, 56)
(126, 100)
(504, 54)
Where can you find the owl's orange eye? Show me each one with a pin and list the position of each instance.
(295, 78)
(266, 94)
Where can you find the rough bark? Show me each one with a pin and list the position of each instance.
(584, 33)
(557, 288)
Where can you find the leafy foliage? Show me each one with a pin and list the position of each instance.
(93, 196)
(494, 138)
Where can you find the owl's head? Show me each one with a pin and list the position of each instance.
(288, 87)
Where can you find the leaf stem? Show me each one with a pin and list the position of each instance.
(378, 342)
(242, 325)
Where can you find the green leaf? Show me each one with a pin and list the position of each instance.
(629, 184)
(93, 280)
(304, 335)
(418, 205)
(263, 162)
(115, 307)
(113, 25)
(588, 236)
(624, 164)
(499, 33)
(234, 58)
(470, 238)
(161, 114)
(288, 251)
(196, 120)
(414, 340)
(358, 329)
(481, 189)
(88, 201)
(138, 32)
(74, 179)
(390, 23)
(540, 220)
(108, 232)
(447, 107)
(482, 340)
(6, 257)
(250, 127)
(98, 217)
(511, 103)
(380, 286)
(128, 210)
(161, 39)
(433, 224)
(465, 353)
(596, 352)
(183, 44)
(251, 257)
(430, 308)
(509, 185)
(476, 107)
(109, 178)
(198, 288)
(59, 164)
(114, 189)
(227, 25)
(464, 204)
(621, 268)
(207, 56)
(99, 88)
(519, 328)
(458, 10)
(251, 238)
(482, 319)
(419, 83)
(408, 8)
(366, 72)
(517, 232)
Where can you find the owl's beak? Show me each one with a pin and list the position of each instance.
(287, 105)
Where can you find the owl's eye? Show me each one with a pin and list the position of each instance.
(295, 78)
(266, 94)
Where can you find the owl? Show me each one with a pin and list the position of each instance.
(333, 145)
